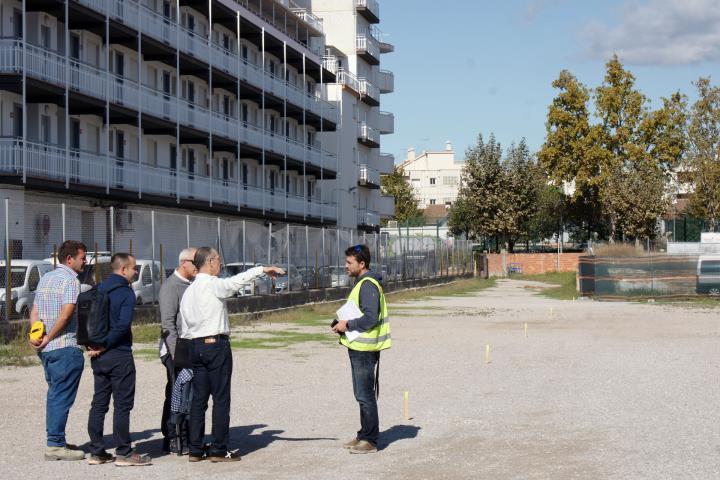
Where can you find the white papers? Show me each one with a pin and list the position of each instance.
(162, 347)
(349, 311)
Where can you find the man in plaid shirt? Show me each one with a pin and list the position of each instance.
(62, 360)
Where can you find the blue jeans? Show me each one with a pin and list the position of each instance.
(114, 374)
(63, 369)
(363, 377)
(212, 370)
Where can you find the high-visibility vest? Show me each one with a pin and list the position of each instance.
(378, 337)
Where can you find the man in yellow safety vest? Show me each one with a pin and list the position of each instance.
(364, 351)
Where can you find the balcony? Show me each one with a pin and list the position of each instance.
(368, 136)
(387, 163)
(385, 206)
(330, 63)
(369, 93)
(386, 81)
(368, 177)
(368, 48)
(367, 218)
(159, 27)
(89, 80)
(386, 125)
(369, 9)
(349, 81)
(310, 20)
(80, 168)
(386, 47)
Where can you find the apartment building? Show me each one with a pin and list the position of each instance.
(354, 52)
(434, 175)
(213, 106)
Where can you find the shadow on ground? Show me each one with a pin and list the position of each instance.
(397, 433)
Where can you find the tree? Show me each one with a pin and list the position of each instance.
(547, 219)
(407, 211)
(566, 154)
(703, 160)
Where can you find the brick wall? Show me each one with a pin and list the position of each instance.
(532, 263)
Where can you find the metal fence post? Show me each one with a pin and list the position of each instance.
(152, 268)
(112, 228)
(269, 246)
(64, 232)
(243, 242)
(307, 258)
(187, 230)
(8, 285)
(219, 247)
(287, 236)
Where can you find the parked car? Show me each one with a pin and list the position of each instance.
(261, 286)
(708, 275)
(24, 278)
(147, 281)
(314, 278)
(296, 281)
(338, 275)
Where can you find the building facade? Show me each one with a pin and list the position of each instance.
(355, 49)
(225, 107)
(434, 175)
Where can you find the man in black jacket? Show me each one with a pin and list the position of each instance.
(114, 369)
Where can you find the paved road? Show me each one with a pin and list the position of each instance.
(596, 390)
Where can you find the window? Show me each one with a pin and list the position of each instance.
(33, 279)
(432, 181)
(146, 278)
(45, 37)
(453, 180)
(432, 201)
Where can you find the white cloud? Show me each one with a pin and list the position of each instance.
(664, 32)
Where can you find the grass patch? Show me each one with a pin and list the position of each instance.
(281, 339)
(18, 353)
(146, 353)
(566, 287)
(458, 288)
(146, 333)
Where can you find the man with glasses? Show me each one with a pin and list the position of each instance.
(205, 324)
(171, 293)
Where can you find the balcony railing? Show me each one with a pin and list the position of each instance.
(386, 81)
(368, 135)
(368, 219)
(369, 176)
(369, 92)
(386, 125)
(307, 17)
(78, 167)
(87, 79)
(330, 63)
(156, 25)
(370, 9)
(367, 45)
(387, 163)
(349, 80)
(385, 205)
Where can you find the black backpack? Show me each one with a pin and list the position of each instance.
(93, 316)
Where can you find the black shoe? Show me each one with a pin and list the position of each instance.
(100, 458)
(228, 457)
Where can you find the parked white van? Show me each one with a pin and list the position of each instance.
(147, 281)
(708, 275)
(24, 278)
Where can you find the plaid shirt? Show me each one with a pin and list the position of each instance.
(58, 288)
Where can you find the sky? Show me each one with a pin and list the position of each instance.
(465, 67)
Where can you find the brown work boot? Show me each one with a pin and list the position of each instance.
(363, 446)
(351, 443)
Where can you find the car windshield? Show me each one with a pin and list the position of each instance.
(710, 267)
(17, 276)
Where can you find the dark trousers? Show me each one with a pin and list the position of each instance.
(363, 365)
(167, 425)
(114, 374)
(63, 369)
(212, 369)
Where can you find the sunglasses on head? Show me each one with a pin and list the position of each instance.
(357, 248)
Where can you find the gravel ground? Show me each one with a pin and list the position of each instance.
(596, 390)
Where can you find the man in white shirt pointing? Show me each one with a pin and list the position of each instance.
(205, 324)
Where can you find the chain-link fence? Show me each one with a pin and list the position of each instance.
(313, 256)
(656, 275)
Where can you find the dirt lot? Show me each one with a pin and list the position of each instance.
(595, 390)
